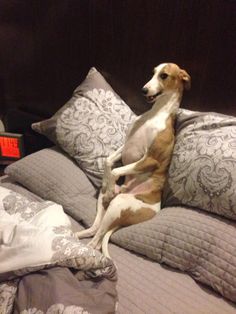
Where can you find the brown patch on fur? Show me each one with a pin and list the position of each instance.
(161, 151)
(148, 164)
(129, 217)
(177, 78)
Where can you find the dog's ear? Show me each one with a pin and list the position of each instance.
(185, 77)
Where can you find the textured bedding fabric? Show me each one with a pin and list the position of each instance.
(91, 125)
(68, 295)
(200, 244)
(54, 176)
(148, 287)
(38, 234)
(34, 238)
(145, 286)
(190, 240)
(202, 172)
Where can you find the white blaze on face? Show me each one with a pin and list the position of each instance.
(154, 85)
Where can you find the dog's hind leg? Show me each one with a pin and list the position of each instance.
(109, 162)
(105, 241)
(112, 215)
(93, 229)
(124, 210)
(100, 204)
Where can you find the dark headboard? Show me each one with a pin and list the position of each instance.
(46, 48)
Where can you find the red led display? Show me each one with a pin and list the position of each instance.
(10, 147)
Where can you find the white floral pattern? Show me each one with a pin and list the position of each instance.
(202, 172)
(58, 309)
(91, 125)
(17, 203)
(32, 311)
(7, 294)
(43, 240)
(48, 227)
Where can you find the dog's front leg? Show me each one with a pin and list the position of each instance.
(108, 164)
(145, 164)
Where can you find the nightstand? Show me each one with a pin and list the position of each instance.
(2, 167)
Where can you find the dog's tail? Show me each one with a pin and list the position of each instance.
(106, 240)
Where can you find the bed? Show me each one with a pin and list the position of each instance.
(186, 234)
(143, 286)
(72, 87)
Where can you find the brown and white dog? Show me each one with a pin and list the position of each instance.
(145, 155)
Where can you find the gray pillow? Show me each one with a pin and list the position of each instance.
(54, 176)
(91, 125)
(196, 242)
(202, 172)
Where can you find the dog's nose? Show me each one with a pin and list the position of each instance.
(144, 90)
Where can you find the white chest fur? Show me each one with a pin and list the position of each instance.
(142, 136)
(146, 128)
(155, 125)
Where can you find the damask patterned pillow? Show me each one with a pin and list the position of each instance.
(91, 125)
(202, 172)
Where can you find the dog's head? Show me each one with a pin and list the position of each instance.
(167, 77)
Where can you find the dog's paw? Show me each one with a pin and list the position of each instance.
(123, 189)
(94, 244)
(107, 179)
(104, 186)
(76, 235)
(107, 198)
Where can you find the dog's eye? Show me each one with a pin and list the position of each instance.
(163, 76)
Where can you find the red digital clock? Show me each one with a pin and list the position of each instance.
(11, 147)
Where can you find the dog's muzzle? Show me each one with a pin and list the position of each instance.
(150, 98)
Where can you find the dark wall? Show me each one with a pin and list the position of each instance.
(46, 48)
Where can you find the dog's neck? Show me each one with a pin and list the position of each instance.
(168, 102)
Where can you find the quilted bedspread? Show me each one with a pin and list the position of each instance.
(191, 240)
(144, 286)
